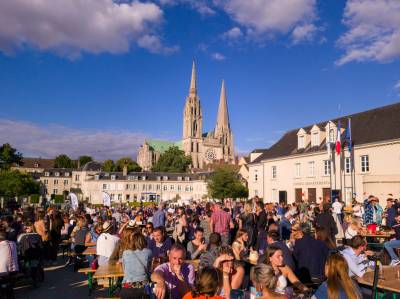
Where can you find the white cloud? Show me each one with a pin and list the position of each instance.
(373, 31)
(203, 7)
(233, 33)
(218, 56)
(51, 140)
(154, 45)
(270, 17)
(70, 27)
(303, 33)
(397, 87)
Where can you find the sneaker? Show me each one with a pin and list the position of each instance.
(394, 263)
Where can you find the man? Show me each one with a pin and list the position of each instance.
(220, 223)
(174, 277)
(159, 216)
(356, 256)
(160, 244)
(285, 226)
(8, 255)
(337, 209)
(106, 243)
(310, 256)
(390, 212)
(273, 239)
(148, 232)
(325, 219)
(395, 243)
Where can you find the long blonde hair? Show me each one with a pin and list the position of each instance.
(337, 273)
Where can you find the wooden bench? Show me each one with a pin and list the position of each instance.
(89, 272)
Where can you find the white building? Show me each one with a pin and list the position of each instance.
(298, 166)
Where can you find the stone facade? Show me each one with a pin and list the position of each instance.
(204, 148)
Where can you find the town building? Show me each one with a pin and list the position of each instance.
(31, 165)
(298, 166)
(90, 182)
(204, 148)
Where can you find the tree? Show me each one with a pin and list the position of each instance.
(84, 159)
(224, 183)
(132, 165)
(173, 160)
(108, 166)
(8, 156)
(14, 183)
(63, 161)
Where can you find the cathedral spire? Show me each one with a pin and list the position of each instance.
(222, 117)
(193, 83)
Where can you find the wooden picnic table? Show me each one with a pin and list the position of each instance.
(389, 281)
(111, 272)
(378, 234)
(90, 251)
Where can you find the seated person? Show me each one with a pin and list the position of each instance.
(265, 281)
(208, 257)
(395, 243)
(353, 229)
(208, 283)
(174, 277)
(106, 244)
(8, 255)
(233, 272)
(356, 256)
(160, 244)
(198, 245)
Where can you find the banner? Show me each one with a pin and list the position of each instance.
(74, 201)
(106, 199)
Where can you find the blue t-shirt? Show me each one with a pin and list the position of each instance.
(134, 270)
(322, 292)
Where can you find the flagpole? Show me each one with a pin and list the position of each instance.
(330, 160)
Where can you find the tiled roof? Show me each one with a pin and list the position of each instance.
(37, 163)
(162, 146)
(376, 125)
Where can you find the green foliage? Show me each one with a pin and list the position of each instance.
(8, 156)
(173, 160)
(63, 161)
(34, 198)
(108, 166)
(224, 183)
(84, 159)
(132, 165)
(58, 198)
(14, 183)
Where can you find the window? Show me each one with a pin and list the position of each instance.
(256, 177)
(144, 178)
(104, 186)
(315, 139)
(331, 135)
(255, 192)
(77, 177)
(165, 187)
(365, 163)
(301, 142)
(65, 182)
(127, 186)
(274, 173)
(165, 178)
(179, 178)
(112, 196)
(347, 165)
(172, 187)
(149, 187)
(143, 187)
(134, 187)
(297, 170)
(158, 187)
(158, 178)
(55, 191)
(66, 174)
(55, 182)
(119, 196)
(56, 174)
(327, 167)
(311, 168)
(36, 165)
(96, 177)
(179, 188)
(46, 182)
(47, 173)
(113, 177)
(187, 178)
(186, 188)
(127, 197)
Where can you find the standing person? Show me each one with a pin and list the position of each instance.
(136, 259)
(395, 243)
(325, 219)
(159, 216)
(205, 224)
(220, 223)
(285, 226)
(239, 246)
(179, 233)
(247, 221)
(390, 212)
(198, 245)
(338, 284)
(337, 207)
(174, 278)
(372, 211)
(8, 255)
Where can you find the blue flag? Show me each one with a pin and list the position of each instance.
(349, 142)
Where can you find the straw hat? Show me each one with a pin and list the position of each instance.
(106, 226)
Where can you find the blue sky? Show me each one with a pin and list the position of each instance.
(73, 82)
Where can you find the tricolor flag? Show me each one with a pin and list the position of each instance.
(338, 140)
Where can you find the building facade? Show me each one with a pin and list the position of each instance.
(299, 167)
(204, 148)
(89, 183)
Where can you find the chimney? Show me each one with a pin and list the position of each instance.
(125, 169)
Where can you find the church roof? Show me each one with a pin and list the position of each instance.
(162, 146)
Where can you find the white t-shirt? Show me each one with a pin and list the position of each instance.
(337, 207)
(8, 257)
(105, 244)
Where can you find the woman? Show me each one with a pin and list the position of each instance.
(123, 244)
(274, 258)
(136, 260)
(179, 233)
(233, 273)
(247, 221)
(265, 281)
(198, 245)
(65, 228)
(239, 246)
(322, 234)
(208, 285)
(208, 257)
(338, 284)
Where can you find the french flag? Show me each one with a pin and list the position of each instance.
(338, 140)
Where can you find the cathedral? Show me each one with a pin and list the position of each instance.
(204, 148)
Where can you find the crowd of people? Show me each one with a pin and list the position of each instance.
(301, 249)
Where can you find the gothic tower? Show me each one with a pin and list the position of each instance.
(192, 123)
(223, 128)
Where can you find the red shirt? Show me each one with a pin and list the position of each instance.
(221, 220)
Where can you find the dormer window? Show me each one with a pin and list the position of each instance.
(301, 142)
(96, 177)
(47, 173)
(330, 129)
(179, 178)
(302, 139)
(165, 178)
(56, 174)
(113, 177)
(315, 139)
(158, 178)
(36, 165)
(66, 174)
(144, 178)
(187, 178)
